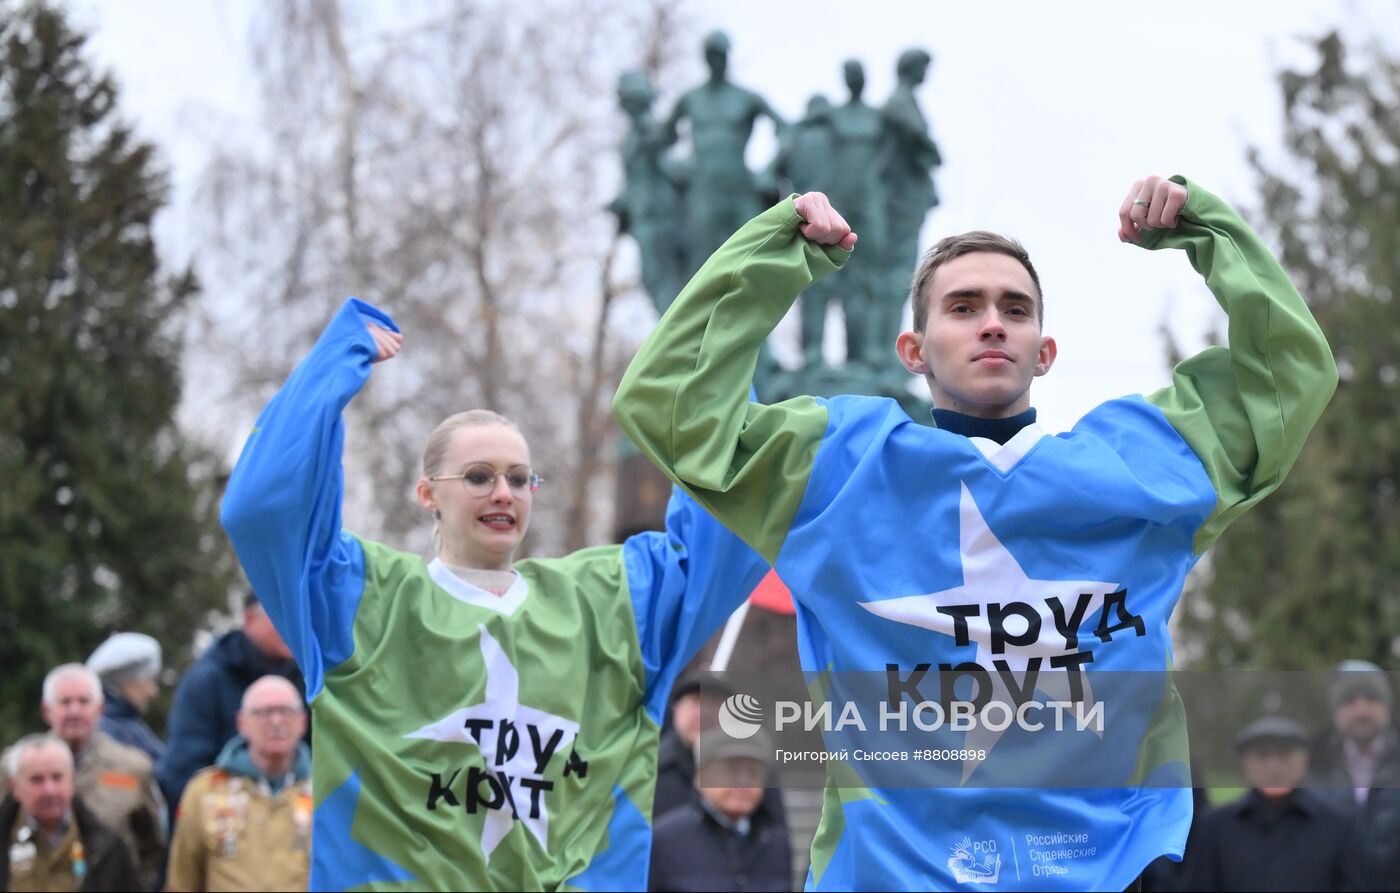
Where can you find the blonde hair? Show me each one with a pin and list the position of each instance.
(435, 452)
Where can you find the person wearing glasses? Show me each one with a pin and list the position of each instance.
(245, 822)
(480, 723)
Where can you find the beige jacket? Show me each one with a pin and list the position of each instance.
(233, 833)
(117, 783)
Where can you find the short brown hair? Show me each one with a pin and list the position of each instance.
(955, 247)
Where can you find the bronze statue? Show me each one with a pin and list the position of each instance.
(804, 151)
(909, 186)
(649, 207)
(803, 164)
(875, 164)
(861, 147)
(721, 192)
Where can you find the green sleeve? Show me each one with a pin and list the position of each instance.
(684, 398)
(1247, 409)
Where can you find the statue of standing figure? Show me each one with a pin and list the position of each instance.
(861, 148)
(804, 162)
(908, 178)
(649, 207)
(805, 151)
(721, 194)
(875, 164)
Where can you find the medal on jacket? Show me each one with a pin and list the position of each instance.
(78, 858)
(224, 817)
(23, 851)
(301, 818)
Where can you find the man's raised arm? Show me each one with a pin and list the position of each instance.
(684, 399)
(1247, 409)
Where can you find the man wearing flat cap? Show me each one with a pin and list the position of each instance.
(1278, 836)
(724, 840)
(696, 695)
(1357, 767)
(129, 666)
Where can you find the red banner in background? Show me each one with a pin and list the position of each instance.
(772, 594)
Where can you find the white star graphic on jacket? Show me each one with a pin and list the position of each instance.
(991, 575)
(503, 704)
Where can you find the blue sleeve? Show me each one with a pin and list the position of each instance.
(684, 584)
(282, 507)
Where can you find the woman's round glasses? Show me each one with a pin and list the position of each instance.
(480, 480)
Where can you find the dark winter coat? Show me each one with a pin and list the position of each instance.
(109, 865)
(124, 722)
(691, 850)
(1377, 821)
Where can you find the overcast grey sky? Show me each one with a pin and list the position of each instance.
(1045, 114)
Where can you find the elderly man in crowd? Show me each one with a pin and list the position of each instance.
(245, 823)
(696, 695)
(129, 666)
(727, 839)
(1278, 836)
(207, 698)
(116, 782)
(54, 842)
(1357, 767)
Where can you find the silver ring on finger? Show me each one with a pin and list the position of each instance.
(1142, 202)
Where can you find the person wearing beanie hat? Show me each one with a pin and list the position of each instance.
(128, 664)
(725, 840)
(1357, 768)
(1278, 836)
(1353, 679)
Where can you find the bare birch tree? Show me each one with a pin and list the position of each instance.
(453, 171)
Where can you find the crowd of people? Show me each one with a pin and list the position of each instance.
(1322, 806)
(483, 722)
(84, 810)
(96, 802)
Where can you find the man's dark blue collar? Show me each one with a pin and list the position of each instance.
(999, 430)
